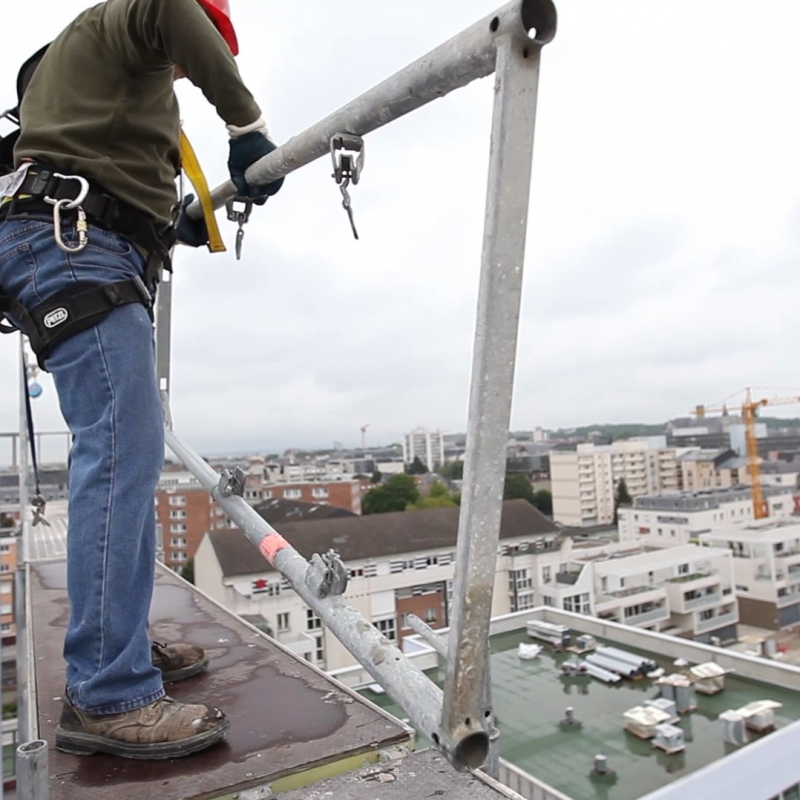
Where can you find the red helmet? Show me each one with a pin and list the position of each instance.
(220, 13)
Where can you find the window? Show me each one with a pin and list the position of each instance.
(370, 570)
(525, 601)
(5, 627)
(267, 494)
(388, 628)
(319, 493)
(177, 500)
(578, 604)
(548, 601)
(356, 573)
(177, 541)
(430, 615)
(293, 494)
(313, 622)
(546, 574)
(5, 548)
(7, 608)
(179, 557)
(5, 568)
(283, 622)
(520, 579)
(683, 569)
(218, 512)
(177, 528)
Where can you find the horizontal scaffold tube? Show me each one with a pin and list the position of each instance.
(466, 57)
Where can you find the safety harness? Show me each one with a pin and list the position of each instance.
(46, 194)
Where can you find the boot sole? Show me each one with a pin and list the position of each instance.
(86, 744)
(185, 672)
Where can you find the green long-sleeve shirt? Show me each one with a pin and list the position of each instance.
(102, 105)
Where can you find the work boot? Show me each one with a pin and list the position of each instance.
(178, 661)
(164, 729)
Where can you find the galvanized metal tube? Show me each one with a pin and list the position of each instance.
(409, 687)
(33, 771)
(465, 714)
(492, 764)
(428, 634)
(466, 57)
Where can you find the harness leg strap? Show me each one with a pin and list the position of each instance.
(71, 311)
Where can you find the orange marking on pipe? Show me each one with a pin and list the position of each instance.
(271, 545)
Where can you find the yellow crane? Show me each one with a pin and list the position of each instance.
(749, 416)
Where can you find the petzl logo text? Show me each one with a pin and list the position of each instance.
(56, 318)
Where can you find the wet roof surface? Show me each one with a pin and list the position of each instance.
(285, 716)
(530, 699)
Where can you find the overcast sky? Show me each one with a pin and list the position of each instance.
(663, 258)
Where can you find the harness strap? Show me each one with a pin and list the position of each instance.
(191, 166)
(70, 311)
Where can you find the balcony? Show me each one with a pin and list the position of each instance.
(568, 578)
(647, 617)
(720, 621)
(788, 598)
(701, 602)
(692, 577)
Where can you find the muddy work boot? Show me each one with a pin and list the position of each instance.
(178, 661)
(164, 729)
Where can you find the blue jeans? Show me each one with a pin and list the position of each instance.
(106, 383)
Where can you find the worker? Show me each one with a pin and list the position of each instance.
(101, 108)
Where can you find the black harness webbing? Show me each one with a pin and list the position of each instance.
(84, 304)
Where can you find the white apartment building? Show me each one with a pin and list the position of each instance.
(584, 480)
(685, 591)
(399, 564)
(404, 563)
(680, 517)
(426, 445)
(766, 563)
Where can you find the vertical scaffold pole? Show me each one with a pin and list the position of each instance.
(465, 710)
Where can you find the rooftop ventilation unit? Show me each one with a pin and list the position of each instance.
(642, 721)
(669, 739)
(733, 728)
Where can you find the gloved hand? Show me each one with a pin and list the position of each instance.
(245, 151)
(192, 232)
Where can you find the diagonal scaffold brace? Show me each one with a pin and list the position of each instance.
(508, 43)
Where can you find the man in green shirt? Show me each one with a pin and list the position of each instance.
(101, 109)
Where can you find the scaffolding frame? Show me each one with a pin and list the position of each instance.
(459, 718)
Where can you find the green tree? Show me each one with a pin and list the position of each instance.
(543, 500)
(438, 497)
(452, 470)
(187, 572)
(622, 497)
(416, 467)
(518, 487)
(399, 492)
(376, 476)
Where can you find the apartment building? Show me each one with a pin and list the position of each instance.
(399, 564)
(680, 517)
(584, 480)
(183, 516)
(685, 591)
(426, 445)
(766, 563)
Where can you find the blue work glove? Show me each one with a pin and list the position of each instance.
(245, 151)
(192, 232)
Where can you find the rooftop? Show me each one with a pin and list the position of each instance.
(702, 499)
(530, 698)
(361, 537)
(767, 530)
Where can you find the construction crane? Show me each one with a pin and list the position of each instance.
(749, 416)
(364, 436)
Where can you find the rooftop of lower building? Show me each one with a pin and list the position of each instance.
(531, 697)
